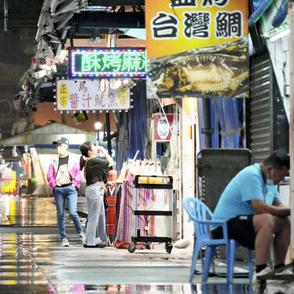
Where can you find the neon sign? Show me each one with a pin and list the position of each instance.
(107, 62)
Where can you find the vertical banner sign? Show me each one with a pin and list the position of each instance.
(107, 62)
(197, 48)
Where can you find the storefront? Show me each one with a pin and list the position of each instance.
(200, 58)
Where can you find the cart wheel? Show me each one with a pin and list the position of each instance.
(168, 247)
(147, 245)
(132, 247)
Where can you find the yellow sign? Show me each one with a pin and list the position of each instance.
(175, 26)
(197, 48)
(62, 95)
(123, 96)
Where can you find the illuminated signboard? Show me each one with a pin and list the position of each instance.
(107, 62)
(197, 48)
(95, 94)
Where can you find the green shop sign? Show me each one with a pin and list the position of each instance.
(107, 62)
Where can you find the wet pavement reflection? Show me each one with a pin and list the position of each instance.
(29, 211)
(32, 260)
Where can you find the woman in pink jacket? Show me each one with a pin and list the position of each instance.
(64, 177)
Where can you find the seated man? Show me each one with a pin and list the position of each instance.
(253, 212)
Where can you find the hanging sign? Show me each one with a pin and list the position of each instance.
(197, 48)
(162, 127)
(107, 62)
(81, 94)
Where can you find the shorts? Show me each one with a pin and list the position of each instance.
(241, 229)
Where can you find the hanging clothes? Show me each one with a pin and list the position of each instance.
(225, 122)
(122, 149)
(228, 116)
(124, 227)
(138, 121)
(112, 193)
(125, 218)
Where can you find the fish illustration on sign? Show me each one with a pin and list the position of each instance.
(220, 70)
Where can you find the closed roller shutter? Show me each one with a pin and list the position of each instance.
(259, 106)
(268, 126)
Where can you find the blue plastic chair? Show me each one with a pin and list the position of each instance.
(201, 215)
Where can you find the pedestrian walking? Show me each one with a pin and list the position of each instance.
(64, 177)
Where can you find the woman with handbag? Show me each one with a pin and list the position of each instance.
(95, 170)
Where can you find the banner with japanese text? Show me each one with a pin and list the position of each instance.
(197, 48)
(75, 95)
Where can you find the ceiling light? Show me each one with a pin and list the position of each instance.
(98, 125)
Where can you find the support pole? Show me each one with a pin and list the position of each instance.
(207, 128)
(108, 132)
(291, 135)
(111, 42)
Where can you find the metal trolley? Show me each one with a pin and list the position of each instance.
(152, 182)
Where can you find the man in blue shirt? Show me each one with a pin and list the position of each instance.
(255, 217)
